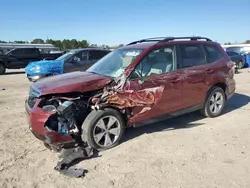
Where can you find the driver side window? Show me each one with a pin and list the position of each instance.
(156, 62)
(81, 56)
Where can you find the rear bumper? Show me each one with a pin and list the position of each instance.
(231, 87)
(36, 118)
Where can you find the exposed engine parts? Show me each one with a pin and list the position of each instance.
(66, 123)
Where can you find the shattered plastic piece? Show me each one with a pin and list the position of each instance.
(73, 172)
(69, 156)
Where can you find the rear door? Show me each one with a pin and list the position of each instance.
(198, 75)
(29, 55)
(158, 68)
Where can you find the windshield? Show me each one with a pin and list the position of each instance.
(115, 63)
(66, 55)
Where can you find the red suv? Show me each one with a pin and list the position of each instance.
(143, 82)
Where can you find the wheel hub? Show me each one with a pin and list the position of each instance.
(107, 131)
(216, 102)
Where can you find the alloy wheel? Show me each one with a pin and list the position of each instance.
(107, 131)
(216, 102)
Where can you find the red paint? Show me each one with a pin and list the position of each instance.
(72, 82)
(182, 88)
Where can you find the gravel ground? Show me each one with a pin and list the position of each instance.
(188, 151)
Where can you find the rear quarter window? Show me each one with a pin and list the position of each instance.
(213, 53)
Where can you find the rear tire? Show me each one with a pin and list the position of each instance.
(2, 69)
(103, 129)
(215, 102)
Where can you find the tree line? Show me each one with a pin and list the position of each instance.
(246, 42)
(67, 44)
(64, 44)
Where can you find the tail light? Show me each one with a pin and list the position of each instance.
(231, 64)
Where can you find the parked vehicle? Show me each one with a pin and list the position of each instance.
(239, 59)
(141, 83)
(20, 57)
(239, 49)
(74, 60)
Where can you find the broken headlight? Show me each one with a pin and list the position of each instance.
(63, 121)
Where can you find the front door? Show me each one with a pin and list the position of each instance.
(157, 68)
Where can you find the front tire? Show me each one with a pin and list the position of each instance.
(215, 102)
(103, 129)
(2, 69)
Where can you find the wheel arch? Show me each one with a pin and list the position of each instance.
(124, 113)
(219, 84)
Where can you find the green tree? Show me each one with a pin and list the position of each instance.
(37, 41)
(247, 42)
(20, 42)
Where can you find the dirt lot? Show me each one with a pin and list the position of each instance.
(188, 151)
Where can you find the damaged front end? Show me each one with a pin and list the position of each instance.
(66, 117)
(69, 111)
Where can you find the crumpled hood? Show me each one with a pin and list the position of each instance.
(44, 67)
(71, 82)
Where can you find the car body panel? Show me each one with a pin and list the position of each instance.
(36, 118)
(171, 95)
(174, 93)
(45, 67)
(71, 82)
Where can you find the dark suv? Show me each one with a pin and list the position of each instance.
(143, 82)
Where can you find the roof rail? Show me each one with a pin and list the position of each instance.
(167, 39)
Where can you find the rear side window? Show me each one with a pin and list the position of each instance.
(191, 55)
(233, 53)
(29, 51)
(213, 53)
(17, 51)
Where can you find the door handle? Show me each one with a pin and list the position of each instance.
(209, 71)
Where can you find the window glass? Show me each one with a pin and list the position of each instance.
(81, 56)
(213, 53)
(95, 55)
(17, 51)
(115, 63)
(29, 50)
(156, 62)
(191, 55)
(234, 49)
(234, 53)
